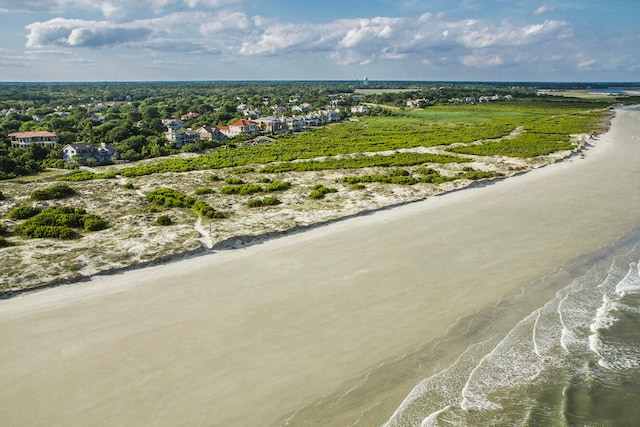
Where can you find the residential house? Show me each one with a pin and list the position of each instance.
(359, 109)
(25, 139)
(172, 124)
(295, 123)
(246, 127)
(252, 112)
(84, 151)
(211, 133)
(182, 137)
(278, 111)
(271, 124)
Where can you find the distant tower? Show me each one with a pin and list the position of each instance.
(365, 82)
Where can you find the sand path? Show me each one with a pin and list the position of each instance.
(248, 337)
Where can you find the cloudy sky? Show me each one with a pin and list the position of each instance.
(487, 40)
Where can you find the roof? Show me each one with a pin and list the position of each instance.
(41, 133)
(243, 123)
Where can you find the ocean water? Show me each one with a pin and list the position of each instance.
(573, 360)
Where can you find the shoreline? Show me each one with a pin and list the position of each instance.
(244, 241)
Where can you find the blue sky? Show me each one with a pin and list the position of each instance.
(489, 40)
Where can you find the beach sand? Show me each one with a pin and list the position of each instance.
(309, 328)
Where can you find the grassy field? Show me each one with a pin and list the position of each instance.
(547, 124)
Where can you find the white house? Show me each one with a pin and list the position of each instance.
(247, 127)
(25, 139)
(85, 151)
(182, 136)
(172, 124)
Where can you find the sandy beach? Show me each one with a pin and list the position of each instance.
(309, 328)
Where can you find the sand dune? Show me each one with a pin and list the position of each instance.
(249, 337)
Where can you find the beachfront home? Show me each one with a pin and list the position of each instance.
(211, 133)
(240, 127)
(182, 137)
(271, 124)
(25, 139)
(83, 151)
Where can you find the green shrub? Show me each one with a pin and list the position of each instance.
(215, 178)
(243, 189)
(59, 191)
(170, 198)
(234, 181)
(59, 222)
(2, 197)
(267, 201)
(264, 180)
(320, 190)
(203, 190)
(164, 220)
(94, 223)
(128, 186)
(3, 229)
(400, 172)
(277, 186)
(205, 210)
(4, 242)
(24, 212)
(359, 186)
(255, 203)
(271, 201)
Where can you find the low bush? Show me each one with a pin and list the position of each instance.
(59, 223)
(319, 191)
(277, 186)
(3, 229)
(205, 210)
(2, 197)
(267, 201)
(164, 220)
(59, 191)
(23, 212)
(215, 178)
(94, 223)
(170, 198)
(234, 181)
(4, 242)
(255, 203)
(242, 189)
(203, 190)
(129, 186)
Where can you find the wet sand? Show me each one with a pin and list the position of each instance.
(249, 337)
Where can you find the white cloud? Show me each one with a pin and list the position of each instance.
(79, 33)
(225, 21)
(544, 9)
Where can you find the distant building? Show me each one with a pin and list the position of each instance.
(84, 151)
(210, 133)
(172, 124)
(182, 137)
(246, 127)
(25, 139)
(271, 124)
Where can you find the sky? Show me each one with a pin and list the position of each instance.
(419, 40)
